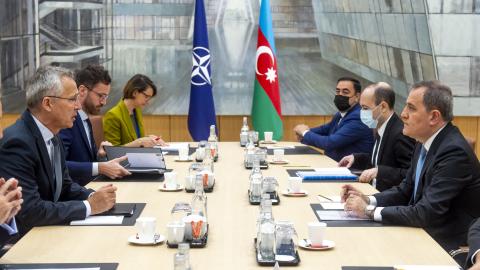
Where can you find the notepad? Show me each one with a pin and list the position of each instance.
(340, 173)
(337, 215)
(333, 205)
(334, 198)
(98, 220)
(426, 267)
(173, 147)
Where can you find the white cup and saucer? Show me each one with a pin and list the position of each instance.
(268, 138)
(170, 183)
(279, 157)
(295, 188)
(316, 237)
(146, 235)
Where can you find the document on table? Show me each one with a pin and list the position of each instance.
(144, 160)
(426, 267)
(337, 215)
(333, 205)
(280, 147)
(339, 173)
(83, 268)
(99, 220)
(173, 147)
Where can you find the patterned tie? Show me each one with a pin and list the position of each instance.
(57, 167)
(418, 171)
(93, 147)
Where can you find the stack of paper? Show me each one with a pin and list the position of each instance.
(426, 267)
(99, 220)
(336, 215)
(328, 174)
(173, 147)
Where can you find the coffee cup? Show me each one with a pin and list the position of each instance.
(316, 232)
(146, 227)
(278, 154)
(183, 153)
(175, 232)
(170, 180)
(268, 135)
(294, 184)
(190, 182)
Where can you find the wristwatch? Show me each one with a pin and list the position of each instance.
(369, 210)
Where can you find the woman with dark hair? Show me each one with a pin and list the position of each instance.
(123, 125)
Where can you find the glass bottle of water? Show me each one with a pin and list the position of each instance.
(244, 132)
(199, 200)
(184, 249)
(213, 141)
(208, 160)
(179, 262)
(256, 179)
(267, 233)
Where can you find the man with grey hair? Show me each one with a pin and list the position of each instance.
(387, 165)
(31, 152)
(441, 190)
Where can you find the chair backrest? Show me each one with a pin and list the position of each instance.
(97, 126)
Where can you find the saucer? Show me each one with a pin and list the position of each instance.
(279, 162)
(155, 241)
(176, 159)
(302, 193)
(163, 188)
(268, 142)
(326, 244)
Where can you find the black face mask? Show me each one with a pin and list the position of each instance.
(341, 102)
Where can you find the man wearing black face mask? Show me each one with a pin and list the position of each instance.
(345, 134)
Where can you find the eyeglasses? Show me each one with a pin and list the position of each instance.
(147, 97)
(101, 96)
(73, 99)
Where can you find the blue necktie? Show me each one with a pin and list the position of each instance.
(57, 168)
(418, 171)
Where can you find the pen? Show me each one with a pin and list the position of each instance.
(325, 197)
(298, 166)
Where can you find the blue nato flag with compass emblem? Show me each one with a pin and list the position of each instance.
(201, 113)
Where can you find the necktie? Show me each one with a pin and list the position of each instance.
(57, 168)
(418, 170)
(375, 149)
(92, 141)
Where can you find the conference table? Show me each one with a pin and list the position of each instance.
(232, 222)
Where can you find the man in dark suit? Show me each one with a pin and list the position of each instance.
(441, 190)
(80, 149)
(345, 134)
(31, 152)
(473, 259)
(387, 165)
(10, 202)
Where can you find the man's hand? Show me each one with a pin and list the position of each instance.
(300, 129)
(356, 204)
(346, 161)
(158, 140)
(103, 199)
(348, 190)
(368, 175)
(10, 199)
(101, 150)
(113, 169)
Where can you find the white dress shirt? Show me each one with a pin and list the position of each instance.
(47, 136)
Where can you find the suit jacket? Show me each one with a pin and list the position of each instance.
(24, 155)
(118, 127)
(393, 158)
(344, 138)
(79, 153)
(447, 198)
(473, 242)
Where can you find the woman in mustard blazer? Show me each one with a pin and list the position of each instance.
(123, 124)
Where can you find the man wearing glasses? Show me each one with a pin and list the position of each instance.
(31, 152)
(81, 152)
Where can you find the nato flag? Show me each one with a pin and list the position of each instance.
(201, 113)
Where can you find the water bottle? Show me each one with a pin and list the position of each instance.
(213, 141)
(244, 132)
(179, 262)
(184, 249)
(267, 236)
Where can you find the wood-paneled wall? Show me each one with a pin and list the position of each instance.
(175, 128)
